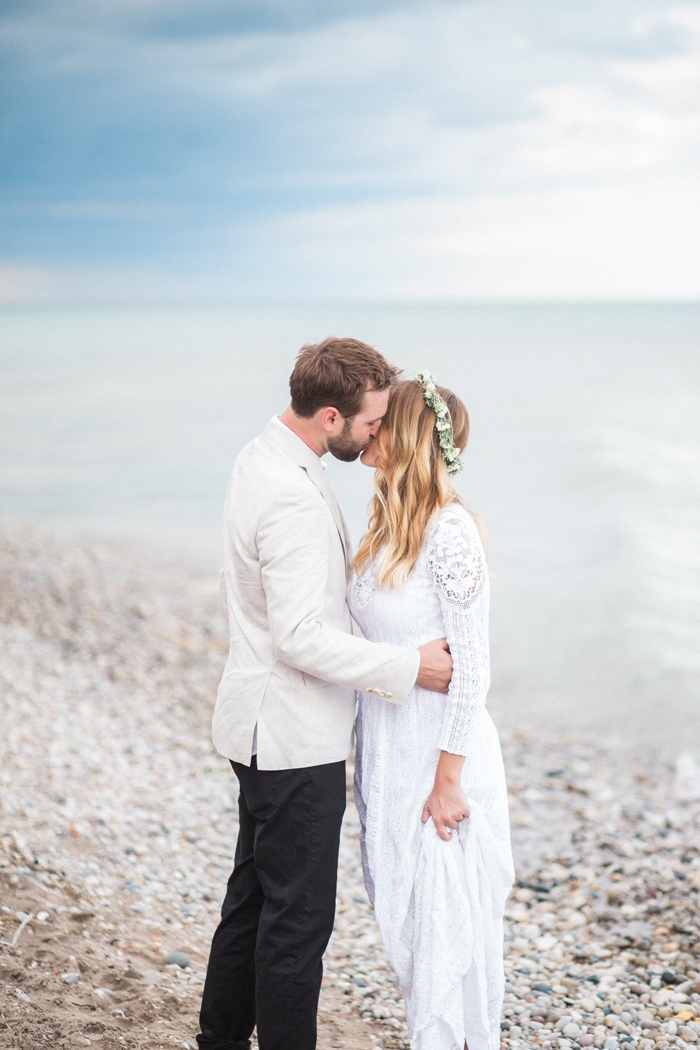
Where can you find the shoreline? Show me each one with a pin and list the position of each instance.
(118, 821)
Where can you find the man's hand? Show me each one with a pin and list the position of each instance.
(447, 804)
(435, 671)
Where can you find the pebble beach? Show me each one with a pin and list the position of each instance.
(118, 827)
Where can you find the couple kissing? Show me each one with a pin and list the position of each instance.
(301, 680)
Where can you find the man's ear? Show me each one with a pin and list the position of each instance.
(329, 418)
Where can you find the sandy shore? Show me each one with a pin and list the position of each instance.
(118, 824)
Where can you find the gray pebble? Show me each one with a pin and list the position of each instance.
(178, 959)
(71, 978)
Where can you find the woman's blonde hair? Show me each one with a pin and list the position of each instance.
(411, 483)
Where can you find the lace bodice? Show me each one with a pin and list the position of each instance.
(446, 596)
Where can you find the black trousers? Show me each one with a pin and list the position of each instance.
(277, 917)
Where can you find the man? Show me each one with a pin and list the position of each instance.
(285, 707)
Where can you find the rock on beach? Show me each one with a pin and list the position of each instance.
(118, 825)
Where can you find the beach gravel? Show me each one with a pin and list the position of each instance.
(118, 825)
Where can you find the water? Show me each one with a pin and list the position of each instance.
(584, 462)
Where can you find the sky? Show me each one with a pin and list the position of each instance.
(348, 150)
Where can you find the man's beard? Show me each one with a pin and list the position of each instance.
(345, 447)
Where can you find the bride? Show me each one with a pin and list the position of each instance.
(429, 782)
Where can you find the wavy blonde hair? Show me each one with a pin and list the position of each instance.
(411, 483)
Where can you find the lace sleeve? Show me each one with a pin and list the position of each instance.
(456, 563)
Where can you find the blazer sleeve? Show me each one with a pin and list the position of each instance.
(293, 543)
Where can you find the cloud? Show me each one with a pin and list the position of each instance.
(427, 148)
(24, 284)
(21, 285)
(634, 241)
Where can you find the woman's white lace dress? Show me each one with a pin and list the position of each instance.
(439, 905)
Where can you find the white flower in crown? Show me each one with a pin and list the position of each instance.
(443, 423)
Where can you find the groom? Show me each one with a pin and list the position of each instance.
(286, 703)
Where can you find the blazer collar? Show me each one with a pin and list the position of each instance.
(300, 453)
(295, 448)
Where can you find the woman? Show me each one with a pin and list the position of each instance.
(429, 784)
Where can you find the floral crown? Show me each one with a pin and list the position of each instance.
(443, 423)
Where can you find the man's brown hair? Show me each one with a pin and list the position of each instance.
(335, 374)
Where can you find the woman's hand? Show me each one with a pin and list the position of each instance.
(447, 804)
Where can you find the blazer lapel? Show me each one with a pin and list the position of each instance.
(297, 450)
(326, 491)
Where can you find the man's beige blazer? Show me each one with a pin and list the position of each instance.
(294, 663)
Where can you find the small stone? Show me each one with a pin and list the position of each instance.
(541, 987)
(42, 916)
(585, 1040)
(381, 1012)
(610, 1044)
(587, 1005)
(178, 959)
(571, 1030)
(71, 978)
(152, 976)
(22, 996)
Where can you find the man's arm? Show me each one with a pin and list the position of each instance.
(293, 548)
